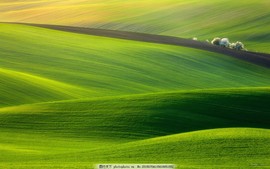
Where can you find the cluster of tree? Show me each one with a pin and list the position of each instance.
(224, 42)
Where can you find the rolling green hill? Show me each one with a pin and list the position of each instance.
(219, 148)
(18, 88)
(72, 101)
(57, 65)
(143, 116)
(141, 128)
(247, 21)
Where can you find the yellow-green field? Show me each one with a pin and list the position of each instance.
(246, 21)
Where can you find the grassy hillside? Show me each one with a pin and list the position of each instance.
(225, 148)
(144, 128)
(143, 116)
(43, 65)
(247, 21)
(19, 88)
(220, 148)
(69, 100)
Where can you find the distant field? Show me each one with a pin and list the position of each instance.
(247, 21)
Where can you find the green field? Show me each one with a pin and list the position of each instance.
(69, 100)
(56, 65)
(141, 129)
(246, 21)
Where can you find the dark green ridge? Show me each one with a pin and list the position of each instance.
(143, 116)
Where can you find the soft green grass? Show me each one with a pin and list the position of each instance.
(141, 129)
(29, 88)
(247, 21)
(202, 149)
(220, 148)
(103, 100)
(143, 116)
(43, 65)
